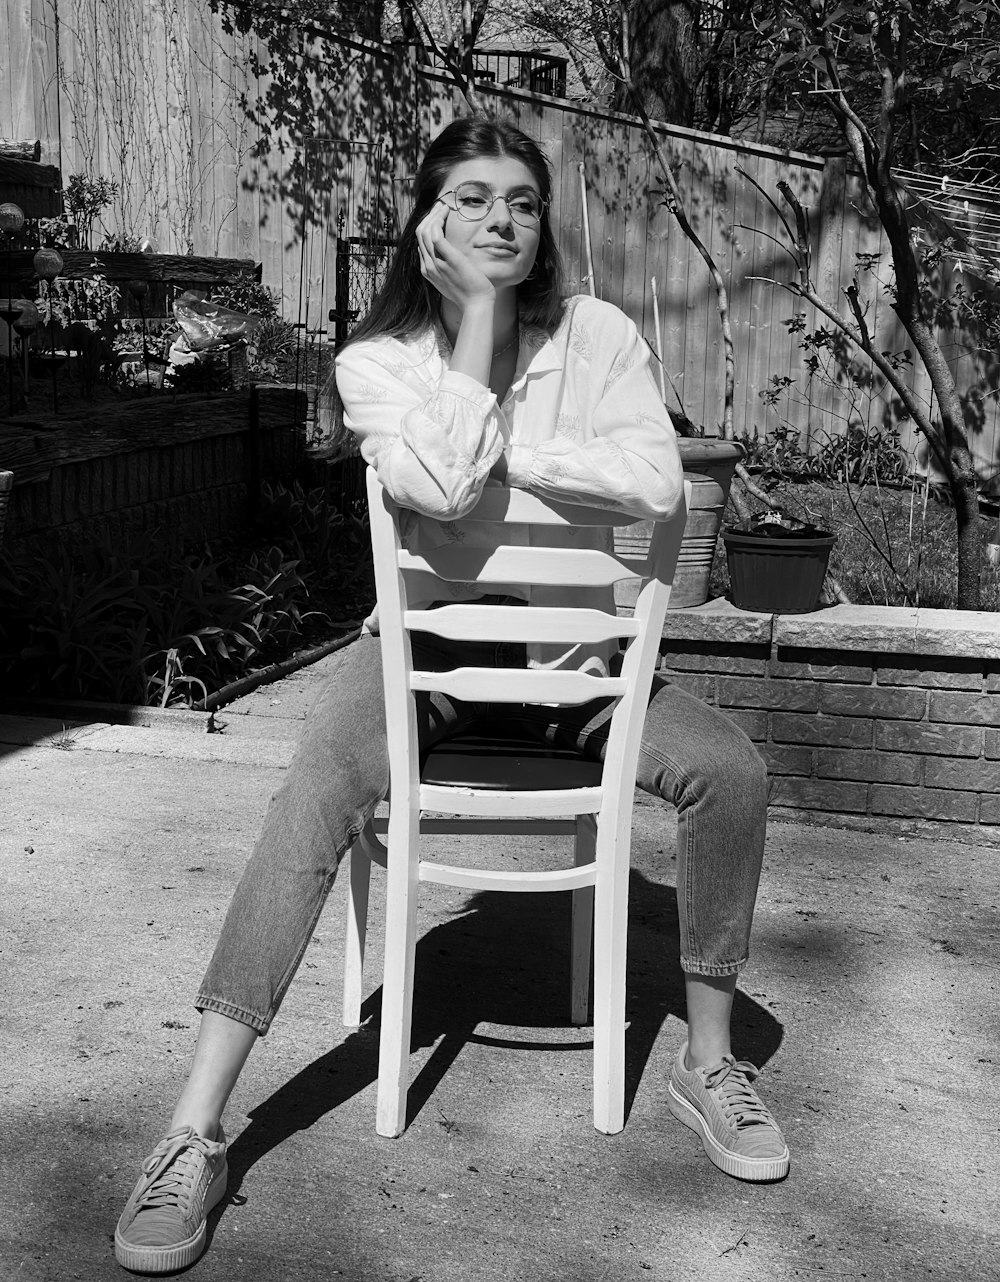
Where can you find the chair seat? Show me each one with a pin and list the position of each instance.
(507, 765)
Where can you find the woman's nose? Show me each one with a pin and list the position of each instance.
(499, 215)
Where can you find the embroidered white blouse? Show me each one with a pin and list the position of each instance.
(583, 422)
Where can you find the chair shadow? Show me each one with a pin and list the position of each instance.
(504, 961)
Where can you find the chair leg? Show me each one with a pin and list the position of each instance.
(582, 927)
(610, 948)
(358, 870)
(402, 884)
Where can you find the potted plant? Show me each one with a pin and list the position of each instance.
(709, 464)
(777, 564)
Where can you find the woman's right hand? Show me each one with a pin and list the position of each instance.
(452, 273)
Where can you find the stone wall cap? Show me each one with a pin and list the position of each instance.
(875, 629)
(973, 634)
(718, 620)
(882, 629)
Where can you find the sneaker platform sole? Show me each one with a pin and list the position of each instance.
(758, 1169)
(171, 1259)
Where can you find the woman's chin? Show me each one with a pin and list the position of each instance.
(505, 275)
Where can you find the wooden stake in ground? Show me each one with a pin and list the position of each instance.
(659, 340)
(586, 232)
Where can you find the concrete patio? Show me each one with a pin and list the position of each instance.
(870, 1005)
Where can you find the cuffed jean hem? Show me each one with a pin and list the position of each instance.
(260, 1025)
(713, 969)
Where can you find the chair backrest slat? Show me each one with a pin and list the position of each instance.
(517, 623)
(519, 685)
(497, 503)
(572, 567)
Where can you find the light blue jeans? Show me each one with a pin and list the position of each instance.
(692, 756)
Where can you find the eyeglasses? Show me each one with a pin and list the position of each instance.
(473, 202)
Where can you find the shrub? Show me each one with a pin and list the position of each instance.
(274, 337)
(244, 293)
(90, 299)
(130, 625)
(859, 456)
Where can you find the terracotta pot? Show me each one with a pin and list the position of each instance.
(711, 456)
(709, 464)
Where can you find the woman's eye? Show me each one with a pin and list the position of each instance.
(472, 202)
(524, 205)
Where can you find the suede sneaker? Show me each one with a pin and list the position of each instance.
(162, 1228)
(738, 1133)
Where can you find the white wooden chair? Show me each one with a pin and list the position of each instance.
(505, 794)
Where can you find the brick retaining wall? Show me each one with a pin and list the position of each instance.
(185, 467)
(859, 711)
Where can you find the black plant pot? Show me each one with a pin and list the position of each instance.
(780, 574)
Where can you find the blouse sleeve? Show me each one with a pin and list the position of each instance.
(432, 445)
(628, 460)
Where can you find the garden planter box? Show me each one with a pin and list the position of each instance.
(777, 575)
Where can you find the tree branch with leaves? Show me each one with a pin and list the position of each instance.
(877, 40)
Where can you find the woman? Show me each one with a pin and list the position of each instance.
(471, 367)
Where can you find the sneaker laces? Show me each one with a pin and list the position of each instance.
(172, 1169)
(730, 1083)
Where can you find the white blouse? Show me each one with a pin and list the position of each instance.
(583, 422)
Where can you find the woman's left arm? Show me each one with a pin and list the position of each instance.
(630, 462)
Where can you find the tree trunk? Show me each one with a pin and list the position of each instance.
(409, 31)
(663, 59)
(952, 446)
(363, 18)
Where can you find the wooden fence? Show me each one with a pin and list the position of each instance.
(152, 94)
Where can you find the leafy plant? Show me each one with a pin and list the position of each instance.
(121, 243)
(273, 337)
(333, 543)
(244, 293)
(57, 233)
(89, 299)
(85, 198)
(859, 456)
(130, 624)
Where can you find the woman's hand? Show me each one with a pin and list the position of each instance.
(451, 272)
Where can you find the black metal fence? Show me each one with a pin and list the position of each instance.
(360, 264)
(529, 69)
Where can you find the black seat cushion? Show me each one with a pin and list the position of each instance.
(507, 763)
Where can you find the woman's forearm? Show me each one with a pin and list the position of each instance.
(473, 352)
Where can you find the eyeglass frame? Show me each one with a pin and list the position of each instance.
(485, 187)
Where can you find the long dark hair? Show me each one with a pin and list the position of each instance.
(406, 304)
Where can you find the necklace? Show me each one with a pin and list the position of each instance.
(500, 351)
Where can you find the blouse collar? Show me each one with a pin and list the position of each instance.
(536, 350)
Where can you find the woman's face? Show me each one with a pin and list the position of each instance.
(503, 249)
